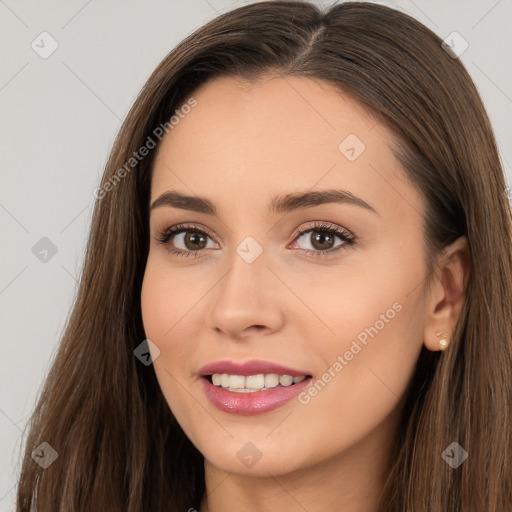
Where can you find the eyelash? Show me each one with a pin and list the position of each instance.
(164, 236)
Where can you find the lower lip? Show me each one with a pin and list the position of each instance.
(255, 402)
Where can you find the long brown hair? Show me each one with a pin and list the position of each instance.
(119, 447)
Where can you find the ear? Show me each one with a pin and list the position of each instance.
(447, 293)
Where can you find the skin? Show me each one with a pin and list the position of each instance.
(239, 147)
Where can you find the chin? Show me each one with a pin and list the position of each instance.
(275, 464)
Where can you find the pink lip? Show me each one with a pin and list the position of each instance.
(256, 402)
(252, 367)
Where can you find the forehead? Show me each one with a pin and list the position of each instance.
(279, 134)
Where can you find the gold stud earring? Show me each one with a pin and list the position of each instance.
(443, 340)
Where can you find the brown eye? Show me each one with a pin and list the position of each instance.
(320, 240)
(184, 240)
(194, 240)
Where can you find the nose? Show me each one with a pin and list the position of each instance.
(247, 301)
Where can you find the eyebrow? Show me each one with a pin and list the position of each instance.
(280, 204)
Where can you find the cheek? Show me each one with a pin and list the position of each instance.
(368, 361)
(372, 325)
(173, 303)
(167, 304)
(168, 296)
(158, 302)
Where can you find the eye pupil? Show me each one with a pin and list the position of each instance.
(195, 238)
(319, 239)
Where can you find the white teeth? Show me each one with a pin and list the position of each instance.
(285, 380)
(251, 383)
(236, 381)
(254, 381)
(271, 380)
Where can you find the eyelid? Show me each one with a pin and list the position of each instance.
(321, 224)
(187, 226)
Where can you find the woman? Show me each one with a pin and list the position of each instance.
(298, 283)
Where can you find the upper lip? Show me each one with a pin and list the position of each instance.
(252, 367)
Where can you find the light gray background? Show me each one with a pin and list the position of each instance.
(59, 117)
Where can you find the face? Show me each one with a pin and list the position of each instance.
(330, 287)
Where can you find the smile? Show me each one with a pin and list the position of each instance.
(253, 383)
(251, 387)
